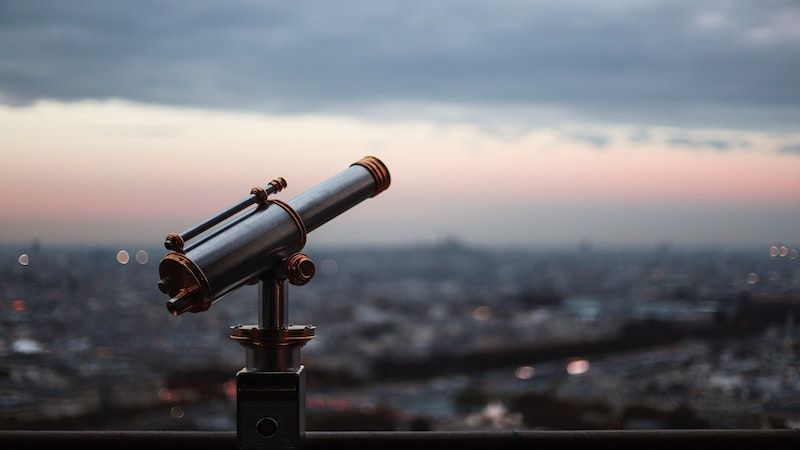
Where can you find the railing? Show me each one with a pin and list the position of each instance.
(492, 440)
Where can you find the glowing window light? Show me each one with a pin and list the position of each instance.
(19, 305)
(482, 313)
(577, 367)
(525, 372)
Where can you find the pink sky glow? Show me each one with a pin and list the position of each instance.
(116, 171)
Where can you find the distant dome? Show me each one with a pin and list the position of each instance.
(26, 346)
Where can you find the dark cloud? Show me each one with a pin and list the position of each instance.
(790, 148)
(641, 135)
(599, 140)
(717, 144)
(670, 62)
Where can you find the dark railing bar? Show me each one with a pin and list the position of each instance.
(585, 440)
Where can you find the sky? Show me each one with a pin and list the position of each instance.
(503, 123)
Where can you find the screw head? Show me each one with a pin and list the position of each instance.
(267, 427)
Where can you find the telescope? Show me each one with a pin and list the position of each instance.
(258, 241)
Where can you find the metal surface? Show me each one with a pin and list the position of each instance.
(270, 390)
(302, 232)
(182, 301)
(334, 196)
(274, 399)
(298, 269)
(255, 336)
(583, 440)
(282, 358)
(378, 171)
(264, 244)
(257, 195)
(273, 303)
(256, 242)
(229, 258)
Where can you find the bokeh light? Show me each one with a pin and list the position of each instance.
(783, 251)
(24, 259)
(773, 275)
(773, 251)
(577, 367)
(752, 278)
(19, 305)
(482, 313)
(524, 372)
(142, 257)
(329, 267)
(123, 257)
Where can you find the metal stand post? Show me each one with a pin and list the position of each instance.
(270, 389)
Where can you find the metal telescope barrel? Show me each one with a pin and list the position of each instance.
(250, 245)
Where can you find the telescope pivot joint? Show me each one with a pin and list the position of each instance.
(297, 269)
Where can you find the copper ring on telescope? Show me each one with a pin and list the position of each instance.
(261, 195)
(378, 171)
(175, 266)
(301, 226)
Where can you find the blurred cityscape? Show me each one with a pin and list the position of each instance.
(442, 337)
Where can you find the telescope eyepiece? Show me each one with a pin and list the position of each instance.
(181, 302)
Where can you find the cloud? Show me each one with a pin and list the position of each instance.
(598, 140)
(717, 144)
(790, 148)
(658, 62)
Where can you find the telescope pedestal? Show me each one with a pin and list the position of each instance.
(270, 390)
(237, 247)
(270, 409)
